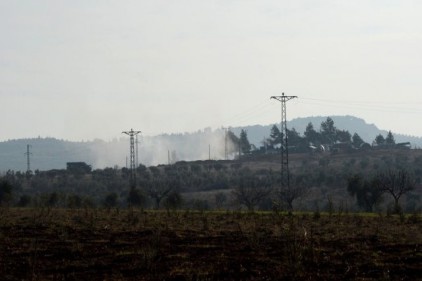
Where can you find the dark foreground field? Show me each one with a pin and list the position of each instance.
(42, 244)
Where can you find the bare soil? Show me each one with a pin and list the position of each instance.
(91, 244)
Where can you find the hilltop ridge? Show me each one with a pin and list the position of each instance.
(50, 153)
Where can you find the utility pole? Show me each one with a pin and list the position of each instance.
(264, 142)
(28, 161)
(137, 155)
(238, 146)
(132, 135)
(226, 153)
(285, 176)
(168, 157)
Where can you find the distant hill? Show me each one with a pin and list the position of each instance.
(46, 153)
(50, 153)
(366, 131)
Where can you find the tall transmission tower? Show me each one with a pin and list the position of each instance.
(285, 176)
(132, 135)
(28, 159)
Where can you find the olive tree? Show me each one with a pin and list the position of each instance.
(295, 190)
(251, 190)
(368, 193)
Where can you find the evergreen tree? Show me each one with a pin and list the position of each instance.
(357, 141)
(275, 135)
(379, 140)
(328, 131)
(245, 146)
(389, 140)
(343, 136)
(233, 142)
(293, 137)
(310, 134)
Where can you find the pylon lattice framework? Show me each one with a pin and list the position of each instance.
(132, 135)
(284, 150)
(28, 161)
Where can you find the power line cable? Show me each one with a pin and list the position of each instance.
(370, 106)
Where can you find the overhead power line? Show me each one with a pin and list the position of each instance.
(247, 114)
(364, 105)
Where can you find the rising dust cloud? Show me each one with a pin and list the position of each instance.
(163, 149)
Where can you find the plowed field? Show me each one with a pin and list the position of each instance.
(43, 244)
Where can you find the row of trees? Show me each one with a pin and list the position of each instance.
(160, 187)
(328, 134)
(369, 192)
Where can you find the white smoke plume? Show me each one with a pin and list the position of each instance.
(163, 149)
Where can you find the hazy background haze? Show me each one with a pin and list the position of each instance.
(81, 70)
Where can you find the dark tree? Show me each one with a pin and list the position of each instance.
(294, 191)
(328, 131)
(389, 140)
(159, 188)
(357, 141)
(343, 136)
(367, 193)
(173, 201)
(136, 198)
(251, 190)
(245, 146)
(396, 183)
(52, 200)
(275, 136)
(234, 142)
(288, 195)
(232, 137)
(110, 200)
(24, 201)
(293, 137)
(379, 140)
(74, 201)
(5, 192)
(220, 199)
(311, 135)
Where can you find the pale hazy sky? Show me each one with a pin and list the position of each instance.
(86, 69)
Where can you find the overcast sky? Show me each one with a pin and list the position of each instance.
(86, 69)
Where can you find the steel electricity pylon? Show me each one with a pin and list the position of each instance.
(133, 161)
(284, 149)
(28, 160)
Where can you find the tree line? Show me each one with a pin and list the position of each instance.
(365, 181)
(328, 134)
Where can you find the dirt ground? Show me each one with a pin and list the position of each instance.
(91, 244)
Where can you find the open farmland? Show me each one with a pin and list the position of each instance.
(94, 244)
